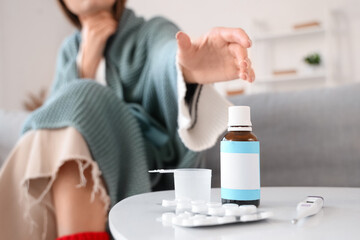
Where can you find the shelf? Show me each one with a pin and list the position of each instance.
(290, 34)
(294, 77)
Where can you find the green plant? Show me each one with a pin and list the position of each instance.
(313, 59)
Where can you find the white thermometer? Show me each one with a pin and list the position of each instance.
(310, 206)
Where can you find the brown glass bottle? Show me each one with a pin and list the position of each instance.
(240, 160)
(244, 136)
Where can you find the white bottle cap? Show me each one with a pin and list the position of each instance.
(239, 116)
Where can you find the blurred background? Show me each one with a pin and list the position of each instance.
(296, 44)
(305, 54)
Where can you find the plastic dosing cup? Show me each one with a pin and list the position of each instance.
(192, 183)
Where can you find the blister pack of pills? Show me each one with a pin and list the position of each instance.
(188, 213)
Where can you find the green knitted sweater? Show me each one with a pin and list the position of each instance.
(130, 125)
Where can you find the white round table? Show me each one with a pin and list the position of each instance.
(137, 217)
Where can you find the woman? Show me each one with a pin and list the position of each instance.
(129, 95)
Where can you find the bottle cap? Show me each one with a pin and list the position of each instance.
(239, 116)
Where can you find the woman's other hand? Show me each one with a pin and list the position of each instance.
(96, 29)
(220, 55)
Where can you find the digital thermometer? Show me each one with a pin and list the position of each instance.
(310, 206)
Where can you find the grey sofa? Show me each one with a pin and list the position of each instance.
(307, 138)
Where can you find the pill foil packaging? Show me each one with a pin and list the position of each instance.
(188, 213)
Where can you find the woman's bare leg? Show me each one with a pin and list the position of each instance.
(73, 210)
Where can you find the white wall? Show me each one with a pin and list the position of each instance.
(197, 17)
(31, 32)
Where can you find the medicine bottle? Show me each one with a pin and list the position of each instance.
(240, 160)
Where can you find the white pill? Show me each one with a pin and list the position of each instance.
(248, 209)
(216, 211)
(214, 204)
(168, 203)
(248, 218)
(199, 208)
(230, 205)
(233, 212)
(167, 217)
(226, 219)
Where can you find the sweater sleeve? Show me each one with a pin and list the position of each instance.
(202, 120)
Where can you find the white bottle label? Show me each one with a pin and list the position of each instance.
(240, 170)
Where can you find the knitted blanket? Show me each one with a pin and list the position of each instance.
(130, 125)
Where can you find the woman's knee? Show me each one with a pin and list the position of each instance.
(74, 210)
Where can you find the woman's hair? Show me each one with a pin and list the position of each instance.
(117, 11)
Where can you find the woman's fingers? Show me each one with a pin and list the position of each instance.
(241, 61)
(238, 42)
(184, 41)
(245, 73)
(220, 55)
(252, 75)
(248, 62)
(250, 71)
(100, 31)
(248, 75)
(234, 35)
(239, 53)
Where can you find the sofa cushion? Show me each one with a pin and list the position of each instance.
(307, 138)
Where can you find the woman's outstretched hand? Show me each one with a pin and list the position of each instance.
(220, 55)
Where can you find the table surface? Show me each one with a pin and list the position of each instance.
(137, 217)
